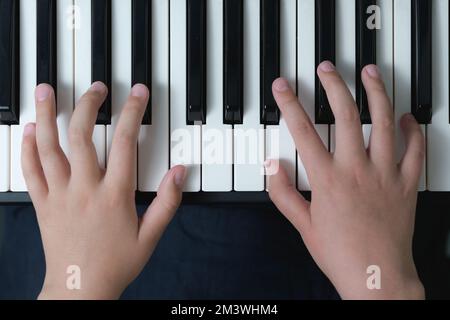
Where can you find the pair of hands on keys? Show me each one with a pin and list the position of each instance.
(361, 214)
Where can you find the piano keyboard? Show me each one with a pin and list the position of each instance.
(210, 65)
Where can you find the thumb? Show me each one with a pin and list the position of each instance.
(286, 197)
(163, 207)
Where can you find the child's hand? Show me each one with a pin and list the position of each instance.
(363, 201)
(87, 216)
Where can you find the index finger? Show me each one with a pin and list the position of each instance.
(309, 145)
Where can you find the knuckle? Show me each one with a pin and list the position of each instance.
(419, 153)
(289, 102)
(28, 142)
(360, 175)
(46, 150)
(332, 82)
(125, 138)
(77, 136)
(347, 113)
(386, 124)
(168, 204)
(90, 98)
(377, 87)
(134, 105)
(303, 128)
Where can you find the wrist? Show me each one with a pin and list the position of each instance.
(393, 287)
(59, 290)
(49, 293)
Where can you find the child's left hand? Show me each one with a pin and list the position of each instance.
(87, 216)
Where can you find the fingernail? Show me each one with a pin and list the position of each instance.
(281, 85)
(139, 90)
(42, 92)
(28, 130)
(327, 66)
(98, 87)
(267, 164)
(180, 177)
(373, 71)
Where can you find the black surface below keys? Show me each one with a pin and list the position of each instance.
(9, 62)
(101, 52)
(142, 49)
(270, 59)
(196, 62)
(325, 50)
(233, 107)
(421, 75)
(366, 52)
(46, 42)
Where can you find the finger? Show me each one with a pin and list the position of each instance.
(31, 165)
(309, 145)
(53, 160)
(163, 208)
(287, 199)
(122, 159)
(349, 138)
(382, 139)
(411, 165)
(83, 156)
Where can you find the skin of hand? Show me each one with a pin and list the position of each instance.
(363, 200)
(87, 216)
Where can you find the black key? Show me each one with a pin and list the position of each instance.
(196, 62)
(421, 90)
(366, 53)
(142, 49)
(101, 52)
(270, 59)
(233, 108)
(46, 42)
(325, 50)
(9, 62)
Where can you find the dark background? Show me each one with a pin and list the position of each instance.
(225, 252)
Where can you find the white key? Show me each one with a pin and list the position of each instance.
(153, 152)
(345, 51)
(306, 76)
(121, 60)
(217, 138)
(279, 142)
(249, 138)
(5, 136)
(439, 131)
(27, 87)
(83, 69)
(402, 61)
(185, 140)
(64, 42)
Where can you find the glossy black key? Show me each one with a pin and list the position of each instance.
(196, 62)
(421, 75)
(366, 53)
(101, 52)
(142, 49)
(46, 42)
(325, 50)
(233, 106)
(9, 62)
(270, 59)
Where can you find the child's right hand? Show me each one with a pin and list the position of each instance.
(363, 201)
